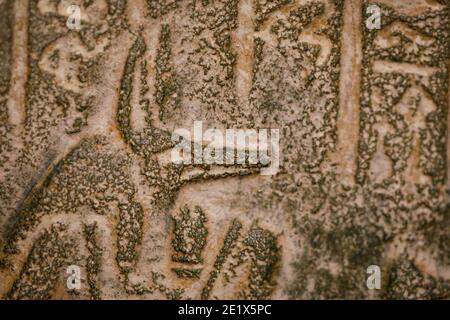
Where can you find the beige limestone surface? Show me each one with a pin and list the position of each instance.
(86, 176)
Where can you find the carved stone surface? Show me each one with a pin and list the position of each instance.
(86, 118)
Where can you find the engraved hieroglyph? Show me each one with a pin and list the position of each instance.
(86, 119)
